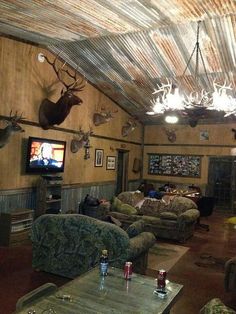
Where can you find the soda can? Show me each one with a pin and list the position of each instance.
(128, 270)
(161, 279)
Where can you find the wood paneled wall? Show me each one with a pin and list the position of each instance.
(221, 142)
(25, 82)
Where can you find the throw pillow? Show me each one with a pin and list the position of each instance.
(135, 228)
(116, 204)
(128, 209)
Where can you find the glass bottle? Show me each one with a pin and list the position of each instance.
(104, 263)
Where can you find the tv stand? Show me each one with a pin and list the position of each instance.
(49, 195)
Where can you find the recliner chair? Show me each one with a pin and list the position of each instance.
(205, 206)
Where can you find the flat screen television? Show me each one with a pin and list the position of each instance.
(45, 155)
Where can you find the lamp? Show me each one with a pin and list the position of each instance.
(170, 98)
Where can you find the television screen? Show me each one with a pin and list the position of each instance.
(45, 155)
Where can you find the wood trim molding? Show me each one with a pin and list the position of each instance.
(36, 124)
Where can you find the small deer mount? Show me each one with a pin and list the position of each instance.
(171, 135)
(12, 127)
(82, 140)
(234, 131)
(128, 127)
(102, 116)
(51, 113)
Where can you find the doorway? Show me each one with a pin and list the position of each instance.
(122, 171)
(221, 182)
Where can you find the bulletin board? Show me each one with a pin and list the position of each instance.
(174, 165)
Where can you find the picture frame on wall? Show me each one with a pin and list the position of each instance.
(98, 161)
(204, 135)
(111, 163)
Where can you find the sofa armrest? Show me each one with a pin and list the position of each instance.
(216, 306)
(230, 275)
(139, 244)
(189, 215)
(136, 228)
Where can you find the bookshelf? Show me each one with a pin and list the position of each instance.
(15, 227)
(49, 195)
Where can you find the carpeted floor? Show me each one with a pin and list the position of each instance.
(165, 256)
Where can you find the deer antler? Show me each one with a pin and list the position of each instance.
(71, 86)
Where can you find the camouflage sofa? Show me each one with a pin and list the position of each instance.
(216, 306)
(70, 244)
(169, 218)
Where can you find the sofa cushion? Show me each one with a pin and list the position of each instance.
(168, 215)
(119, 206)
(130, 197)
(153, 207)
(135, 228)
(180, 204)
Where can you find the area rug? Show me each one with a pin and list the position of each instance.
(214, 263)
(165, 255)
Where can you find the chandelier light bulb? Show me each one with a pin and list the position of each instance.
(171, 119)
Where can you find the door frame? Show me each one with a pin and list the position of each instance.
(122, 171)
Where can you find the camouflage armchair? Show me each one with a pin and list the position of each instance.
(70, 244)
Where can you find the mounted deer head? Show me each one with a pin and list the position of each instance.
(12, 127)
(128, 127)
(51, 113)
(81, 141)
(103, 116)
(171, 135)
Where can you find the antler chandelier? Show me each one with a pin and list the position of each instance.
(169, 98)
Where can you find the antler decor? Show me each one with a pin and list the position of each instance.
(51, 113)
(12, 127)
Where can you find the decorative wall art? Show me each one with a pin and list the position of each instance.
(174, 165)
(111, 163)
(204, 135)
(98, 162)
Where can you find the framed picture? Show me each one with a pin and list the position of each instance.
(111, 163)
(204, 136)
(98, 158)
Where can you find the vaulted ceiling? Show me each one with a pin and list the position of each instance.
(127, 47)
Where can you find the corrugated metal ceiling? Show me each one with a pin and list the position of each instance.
(126, 47)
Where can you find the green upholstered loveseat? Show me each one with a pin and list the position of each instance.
(70, 244)
(171, 218)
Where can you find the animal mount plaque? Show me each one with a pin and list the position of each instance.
(128, 127)
(51, 113)
(12, 127)
(103, 116)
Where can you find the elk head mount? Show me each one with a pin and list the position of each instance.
(81, 141)
(12, 127)
(128, 127)
(103, 116)
(51, 113)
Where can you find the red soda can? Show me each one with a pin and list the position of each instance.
(161, 279)
(128, 270)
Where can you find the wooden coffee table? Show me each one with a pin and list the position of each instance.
(91, 293)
